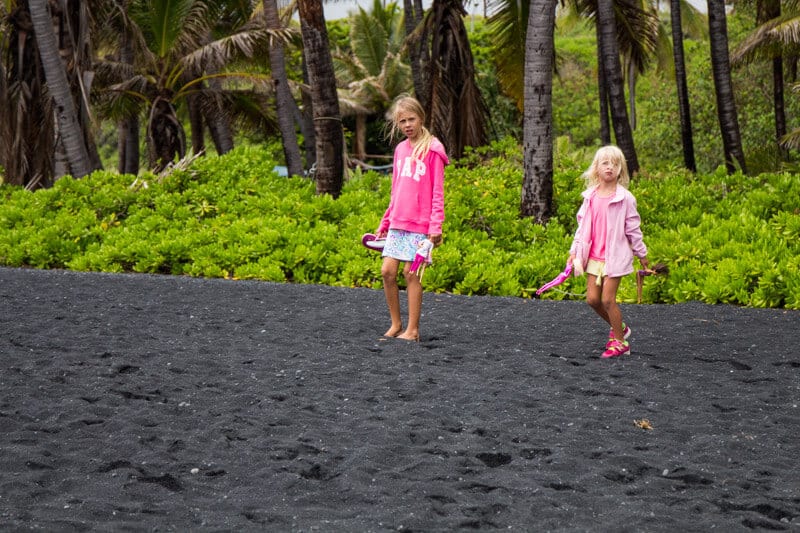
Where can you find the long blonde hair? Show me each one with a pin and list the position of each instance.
(613, 154)
(409, 104)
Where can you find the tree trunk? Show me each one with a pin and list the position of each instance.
(27, 116)
(166, 139)
(66, 112)
(306, 119)
(631, 71)
(609, 52)
(778, 105)
(283, 95)
(219, 123)
(723, 87)
(768, 10)
(412, 19)
(602, 96)
(194, 103)
(457, 112)
(128, 127)
(537, 184)
(327, 119)
(687, 141)
(360, 138)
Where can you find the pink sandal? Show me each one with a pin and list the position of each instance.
(616, 348)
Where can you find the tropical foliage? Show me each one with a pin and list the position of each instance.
(176, 59)
(727, 238)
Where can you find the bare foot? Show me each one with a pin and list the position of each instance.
(409, 336)
(393, 331)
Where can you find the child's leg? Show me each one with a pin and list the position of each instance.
(392, 293)
(414, 292)
(612, 309)
(594, 297)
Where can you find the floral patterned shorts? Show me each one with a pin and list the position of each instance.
(402, 245)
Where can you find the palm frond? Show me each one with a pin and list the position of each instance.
(508, 24)
(637, 31)
(395, 77)
(776, 37)
(244, 44)
(791, 140)
(693, 22)
(368, 41)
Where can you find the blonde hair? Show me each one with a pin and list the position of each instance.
(613, 154)
(409, 104)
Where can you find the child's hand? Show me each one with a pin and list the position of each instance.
(435, 239)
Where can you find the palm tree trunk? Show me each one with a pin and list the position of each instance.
(609, 52)
(128, 127)
(283, 95)
(778, 104)
(55, 73)
(457, 112)
(327, 118)
(602, 90)
(196, 122)
(537, 184)
(768, 10)
(687, 141)
(723, 87)
(631, 71)
(306, 120)
(219, 123)
(412, 17)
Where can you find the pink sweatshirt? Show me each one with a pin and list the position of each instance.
(417, 201)
(623, 233)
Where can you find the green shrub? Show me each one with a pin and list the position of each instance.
(726, 239)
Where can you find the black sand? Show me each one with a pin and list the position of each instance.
(145, 403)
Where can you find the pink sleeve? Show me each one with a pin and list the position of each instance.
(437, 201)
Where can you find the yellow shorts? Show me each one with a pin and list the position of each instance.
(596, 268)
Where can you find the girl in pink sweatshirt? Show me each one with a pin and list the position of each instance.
(415, 212)
(608, 236)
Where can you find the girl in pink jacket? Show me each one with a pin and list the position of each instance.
(415, 212)
(609, 235)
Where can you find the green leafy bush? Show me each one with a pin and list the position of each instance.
(727, 239)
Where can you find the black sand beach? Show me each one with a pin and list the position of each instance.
(149, 403)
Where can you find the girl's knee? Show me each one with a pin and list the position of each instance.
(593, 302)
(388, 273)
(411, 277)
(609, 303)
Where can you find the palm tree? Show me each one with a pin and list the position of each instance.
(283, 94)
(328, 131)
(417, 54)
(683, 91)
(31, 123)
(609, 51)
(775, 35)
(372, 73)
(723, 87)
(26, 128)
(456, 110)
(537, 185)
(128, 126)
(70, 130)
(174, 60)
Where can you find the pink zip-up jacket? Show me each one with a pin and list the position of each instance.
(623, 233)
(417, 200)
